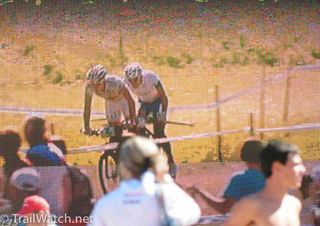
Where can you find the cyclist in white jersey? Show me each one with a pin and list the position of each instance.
(153, 99)
(118, 101)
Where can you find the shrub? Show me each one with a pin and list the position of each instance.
(58, 78)
(242, 41)
(315, 54)
(28, 49)
(173, 62)
(189, 59)
(266, 57)
(47, 69)
(226, 45)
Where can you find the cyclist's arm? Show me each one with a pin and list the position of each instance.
(163, 96)
(87, 107)
(128, 98)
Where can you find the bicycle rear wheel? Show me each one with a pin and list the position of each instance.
(108, 171)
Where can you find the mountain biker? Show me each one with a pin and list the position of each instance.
(146, 85)
(118, 101)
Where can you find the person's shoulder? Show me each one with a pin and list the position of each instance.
(150, 75)
(114, 78)
(238, 175)
(37, 148)
(294, 201)
(107, 200)
(250, 203)
(253, 201)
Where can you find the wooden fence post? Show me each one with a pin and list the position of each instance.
(218, 125)
(262, 99)
(286, 100)
(251, 125)
(52, 128)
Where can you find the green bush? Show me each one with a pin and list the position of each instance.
(266, 57)
(47, 69)
(58, 78)
(189, 59)
(226, 45)
(242, 41)
(315, 54)
(28, 49)
(173, 62)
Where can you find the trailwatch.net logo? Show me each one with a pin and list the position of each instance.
(15, 219)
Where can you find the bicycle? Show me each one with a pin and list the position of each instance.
(109, 161)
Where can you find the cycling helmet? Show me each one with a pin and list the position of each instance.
(96, 74)
(132, 71)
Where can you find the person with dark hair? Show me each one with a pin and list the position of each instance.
(41, 152)
(147, 195)
(242, 183)
(10, 143)
(307, 192)
(284, 170)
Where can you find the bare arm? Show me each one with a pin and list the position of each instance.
(87, 108)
(132, 107)
(163, 96)
(222, 205)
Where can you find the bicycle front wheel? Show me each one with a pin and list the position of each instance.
(108, 171)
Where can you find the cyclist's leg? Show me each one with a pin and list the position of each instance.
(159, 132)
(114, 116)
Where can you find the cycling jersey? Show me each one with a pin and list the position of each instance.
(112, 91)
(115, 103)
(147, 92)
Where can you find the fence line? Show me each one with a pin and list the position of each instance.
(197, 107)
(110, 146)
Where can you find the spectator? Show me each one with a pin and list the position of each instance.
(23, 182)
(307, 193)
(315, 175)
(242, 183)
(147, 194)
(283, 168)
(10, 143)
(316, 209)
(36, 211)
(40, 152)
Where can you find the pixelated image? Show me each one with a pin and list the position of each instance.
(154, 113)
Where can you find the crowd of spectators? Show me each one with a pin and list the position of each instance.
(147, 195)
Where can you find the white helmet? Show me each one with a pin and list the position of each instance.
(133, 71)
(96, 74)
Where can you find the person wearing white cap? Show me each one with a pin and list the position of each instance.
(147, 195)
(23, 182)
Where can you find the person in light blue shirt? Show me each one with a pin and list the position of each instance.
(242, 183)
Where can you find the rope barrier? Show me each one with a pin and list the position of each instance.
(111, 146)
